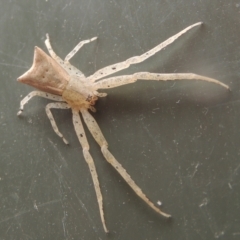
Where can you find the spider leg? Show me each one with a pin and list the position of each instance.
(137, 59)
(64, 64)
(83, 141)
(100, 94)
(40, 94)
(51, 52)
(58, 105)
(98, 136)
(126, 79)
(76, 49)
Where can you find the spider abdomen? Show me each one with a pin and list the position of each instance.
(45, 74)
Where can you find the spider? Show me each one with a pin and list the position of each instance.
(58, 80)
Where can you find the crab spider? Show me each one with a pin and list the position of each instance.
(58, 80)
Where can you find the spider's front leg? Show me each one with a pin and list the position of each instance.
(83, 141)
(126, 79)
(98, 136)
(138, 59)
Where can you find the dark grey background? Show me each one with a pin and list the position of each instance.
(179, 141)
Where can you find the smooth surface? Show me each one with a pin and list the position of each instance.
(179, 141)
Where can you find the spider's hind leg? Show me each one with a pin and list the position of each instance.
(73, 71)
(51, 52)
(39, 94)
(76, 49)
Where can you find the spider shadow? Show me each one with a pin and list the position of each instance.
(145, 96)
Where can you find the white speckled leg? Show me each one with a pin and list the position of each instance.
(73, 52)
(39, 94)
(83, 141)
(98, 136)
(58, 105)
(72, 71)
(137, 59)
(51, 52)
(126, 79)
